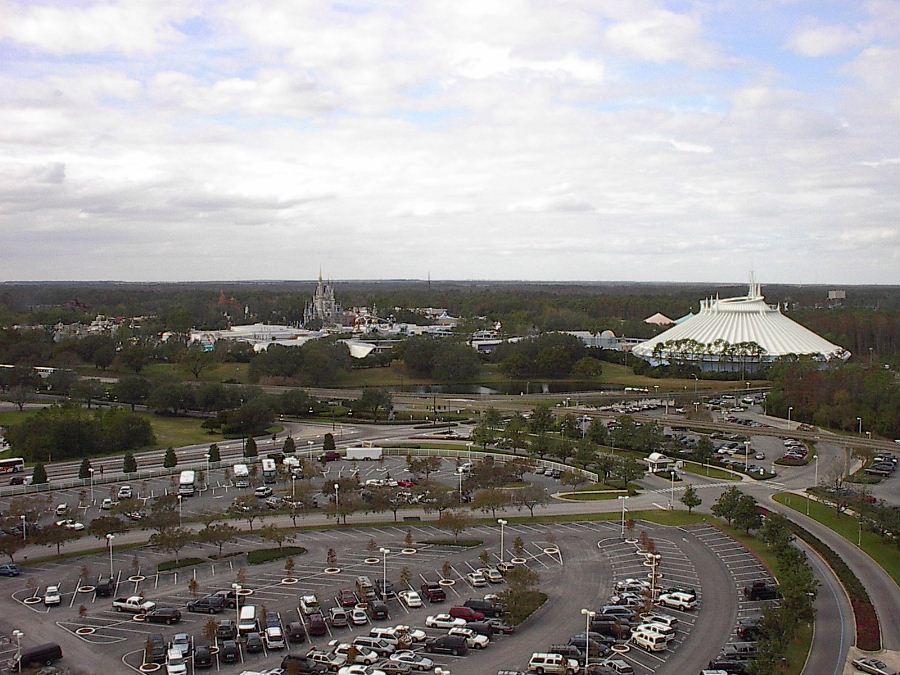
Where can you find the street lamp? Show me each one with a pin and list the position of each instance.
(588, 615)
(24, 527)
(337, 503)
(309, 444)
(237, 601)
(206, 457)
(859, 425)
(622, 498)
(502, 524)
(815, 457)
(384, 551)
(91, 474)
(109, 542)
(293, 486)
(180, 510)
(18, 635)
(790, 408)
(746, 455)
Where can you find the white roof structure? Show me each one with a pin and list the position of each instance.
(659, 320)
(729, 325)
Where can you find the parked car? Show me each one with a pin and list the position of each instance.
(203, 657)
(9, 570)
(761, 590)
(254, 643)
(52, 596)
(872, 666)
(181, 642)
(274, 638)
(166, 615)
(433, 592)
(410, 598)
(296, 632)
(466, 613)
(484, 607)
(412, 659)
(476, 579)
(315, 625)
(226, 629)
(358, 617)
(447, 644)
(346, 598)
(338, 617)
(363, 654)
(211, 604)
(229, 651)
(443, 621)
(473, 640)
(300, 664)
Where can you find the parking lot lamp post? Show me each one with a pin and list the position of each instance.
(696, 382)
(859, 425)
(91, 474)
(180, 511)
(337, 502)
(746, 456)
(790, 408)
(816, 458)
(622, 499)
(293, 486)
(502, 525)
(384, 551)
(655, 559)
(859, 533)
(588, 615)
(24, 527)
(237, 602)
(109, 542)
(18, 635)
(206, 457)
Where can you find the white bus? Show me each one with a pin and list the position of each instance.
(269, 469)
(12, 465)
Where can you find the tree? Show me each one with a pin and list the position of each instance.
(573, 478)
(20, 395)
(84, 471)
(250, 448)
(455, 521)
(100, 527)
(87, 390)
(691, 498)
(483, 433)
(196, 360)
(215, 454)
(129, 463)
(248, 508)
(55, 536)
(442, 501)
(193, 587)
(289, 566)
(585, 454)
(275, 535)
(218, 535)
(209, 630)
(727, 503)
(132, 390)
(541, 420)
(331, 558)
(489, 500)
(374, 400)
(597, 432)
(172, 540)
(405, 577)
(135, 357)
(39, 474)
(423, 465)
(746, 514)
(530, 497)
(775, 532)
(171, 459)
(515, 430)
(10, 545)
(518, 546)
(328, 442)
(519, 596)
(629, 469)
(289, 447)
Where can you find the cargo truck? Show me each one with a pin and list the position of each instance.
(363, 454)
(241, 476)
(269, 471)
(186, 484)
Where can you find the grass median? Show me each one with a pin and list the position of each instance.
(709, 471)
(885, 554)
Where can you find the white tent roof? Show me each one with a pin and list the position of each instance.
(745, 319)
(659, 319)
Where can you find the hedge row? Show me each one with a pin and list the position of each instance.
(264, 555)
(868, 631)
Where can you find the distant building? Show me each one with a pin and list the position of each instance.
(659, 320)
(323, 306)
(836, 298)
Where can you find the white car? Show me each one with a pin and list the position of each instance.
(263, 491)
(491, 574)
(412, 659)
(107, 504)
(366, 656)
(357, 669)
(662, 619)
(70, 524)
(473, 639)
(125, 492)
(632, 585)
(410, 598)
(414, 634)
(680, 601)
(181, 642)
(476, 579)
(52, 596)
(443, 621)
(274, 638)
(358, 617)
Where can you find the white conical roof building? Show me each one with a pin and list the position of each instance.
(738, 331)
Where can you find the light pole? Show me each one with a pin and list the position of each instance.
(746, 456)
(91, 475)
(790, 408)
(671, 488)
(588, 615)
(18, 635)
(859, 535)
(206, 457)
(293, 486)
(384, 551)
(622, 498)
(696, 382)
(180, 511)
(859, 425)
(24, 527)
(337, 502)
(816, 458)
(109, 542)
(309, 445)
(237, 602)
(502, 524)
(656, 557)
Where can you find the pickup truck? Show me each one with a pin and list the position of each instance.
(433, 592)
(760, 590)
(134, 604)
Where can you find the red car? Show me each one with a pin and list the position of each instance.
(405, 483)
(330, 456)
(466, 613)
(346, 598)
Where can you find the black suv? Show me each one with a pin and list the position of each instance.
(211, 604)
(384, 588)
(104, 587)
(166, 615)
(294, 663)
(378, 610)
(155, 649)
(229, 651)
(226, 629)
(447, 644)
(489, 609)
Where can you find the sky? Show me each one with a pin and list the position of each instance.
(590, 140)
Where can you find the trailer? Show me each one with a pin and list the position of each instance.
(269, 470)
(241, 476)
(363, 453)
(186, 486)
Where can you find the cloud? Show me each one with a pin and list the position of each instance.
(662, 37)
(823, 40)
(565, 203)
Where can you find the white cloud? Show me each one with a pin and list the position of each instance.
(824, 40)
(662, 37)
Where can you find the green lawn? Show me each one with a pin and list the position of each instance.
(886, 555)
(14, 417)
(798, 651)
(179, 431)
(711, 472)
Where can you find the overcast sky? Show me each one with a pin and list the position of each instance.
(489, 139)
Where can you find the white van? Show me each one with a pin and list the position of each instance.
(649, 641)
(657, 629)
(552, 663)
(247, 622)
(465, 468)
(62, 509)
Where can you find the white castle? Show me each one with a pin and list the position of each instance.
(322, 306)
